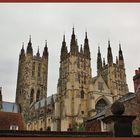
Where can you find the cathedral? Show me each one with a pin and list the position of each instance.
(79, 95)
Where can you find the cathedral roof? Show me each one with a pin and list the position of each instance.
(42, 103)
(98, 115)
(9, 107)
(128, 96)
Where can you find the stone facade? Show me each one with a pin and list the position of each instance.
(79, 95)
(41, 115)
(32, 78)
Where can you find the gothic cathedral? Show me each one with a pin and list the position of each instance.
(79, 95)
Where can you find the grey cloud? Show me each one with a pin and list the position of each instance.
(49, 21)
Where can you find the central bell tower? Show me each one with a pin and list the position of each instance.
(73, 83)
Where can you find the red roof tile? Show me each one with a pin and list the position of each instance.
(7, 119)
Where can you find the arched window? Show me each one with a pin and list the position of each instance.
(79, 77)
(39, 69)
(84, 65)
(31, 96)
(82, 94)
(33, 69)
(38, 96)
(78, 63)
(100, 105)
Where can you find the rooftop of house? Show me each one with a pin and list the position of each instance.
(9, 120)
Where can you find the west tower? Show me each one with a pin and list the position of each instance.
(32, 78)
(73, 83)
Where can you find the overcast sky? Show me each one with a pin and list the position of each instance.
(46, 21)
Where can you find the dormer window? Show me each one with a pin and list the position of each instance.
(14, 127)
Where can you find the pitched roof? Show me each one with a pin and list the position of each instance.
(41, 103)
(128, 96)
(7, 119)
(9, 107)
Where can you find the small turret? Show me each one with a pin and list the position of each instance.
(29, 47)
(22, 52)
(81, 49)
(121, 60)
(86, 47)
(109, 54)
(45, 52)
(38, 54)
(116, 60)
(73, 44)
(103, 62)
(63, 49)
(99, 61)
(120, 53)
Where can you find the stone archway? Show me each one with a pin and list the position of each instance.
(101, 105)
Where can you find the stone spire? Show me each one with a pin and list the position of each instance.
(38, 54)
(45, 52)
(73, 43)
(99, 61)
(29, 47)
(81, 49)
(104, 62)
(120, 52)
(109, 54)
(116, 60)
(63, 49)
(121, 60)
(22, 52)
(86, 46)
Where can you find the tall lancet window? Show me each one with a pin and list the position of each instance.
(33, 69)
(82, 93)
(38, 96)
(39, 69)
(78, 62)
(84, 65)
(32, 96)
(100, 105)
